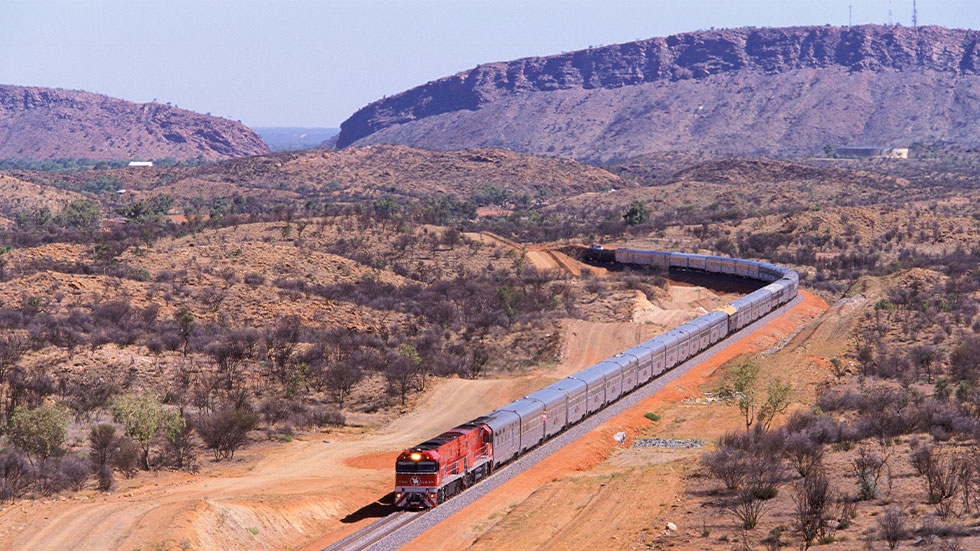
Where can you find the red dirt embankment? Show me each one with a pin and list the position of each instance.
(472, 523)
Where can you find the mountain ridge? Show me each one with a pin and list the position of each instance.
(46, 123)
(653, 78)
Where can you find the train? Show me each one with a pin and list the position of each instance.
(437, 469)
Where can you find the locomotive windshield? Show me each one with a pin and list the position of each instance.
(416, 467)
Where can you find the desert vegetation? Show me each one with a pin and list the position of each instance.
(275, 312)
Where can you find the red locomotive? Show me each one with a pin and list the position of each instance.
(437, 469)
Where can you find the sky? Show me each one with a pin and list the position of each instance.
(313, 63)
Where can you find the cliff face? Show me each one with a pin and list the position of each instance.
(740, 90)
(45, 123)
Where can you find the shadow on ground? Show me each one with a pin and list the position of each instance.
(381, 508)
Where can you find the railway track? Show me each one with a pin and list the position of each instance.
(397, 529)
(375, 532)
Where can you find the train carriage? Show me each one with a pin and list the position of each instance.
(612, 373)
(531, 413)
(555, 412)
(742, 307)
(658, 365)
(595, 389)
(625, 256)
(761, 302)
(439, 468)
(628, 365)
(713, 264)
(678, 260)
(693, 341)
(506, 430)
(696, 262)
(728, 265)
(644, 362)
(673, 341)
(747, 268)
(575, 395)
(711, 325)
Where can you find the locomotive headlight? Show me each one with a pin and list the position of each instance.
(416, 456)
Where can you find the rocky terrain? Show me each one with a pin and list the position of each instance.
(320, 267)
(483, 176)
(45, 123)
(774, 90)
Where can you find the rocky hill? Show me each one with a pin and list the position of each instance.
(45, 123)
(775, 90)
(355, 173)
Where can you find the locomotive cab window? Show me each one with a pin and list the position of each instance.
(416, 467)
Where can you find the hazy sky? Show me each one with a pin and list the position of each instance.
(313, 63)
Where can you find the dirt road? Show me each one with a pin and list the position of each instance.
(280, 496)
(542, 258)
(276, 496)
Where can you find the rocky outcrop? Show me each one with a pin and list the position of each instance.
(45, 123)
(739, 90)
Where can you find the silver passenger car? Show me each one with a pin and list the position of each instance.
(644, 362)
(693, 331)
(595, 389)
(531, 413)
(676, 344)
(628, 365)
(612, 374)
(575, 394)
(506, 427)
(555, 413)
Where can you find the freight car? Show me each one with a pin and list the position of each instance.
(430, 473)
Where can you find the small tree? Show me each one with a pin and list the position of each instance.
(812, 498)
(867, 467)
(727, 465)
(943, 480)
(80, 213)
(102, 441)
(804, 452)
(16, 475)
(142, 418)
(3, 261)
(185, 327)
(340, 379)
(225, 431)
(402, 376)
(180, 444)
(893, 527)
(747, 508)
(12, 350)
(38, 432)
(777, 400)
(743, 379)
(637, 214)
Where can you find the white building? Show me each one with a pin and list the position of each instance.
(865, 152)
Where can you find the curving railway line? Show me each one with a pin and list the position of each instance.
(509, 439)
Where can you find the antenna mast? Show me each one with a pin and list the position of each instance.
(889, 13)
(915, 16)
(850, 15)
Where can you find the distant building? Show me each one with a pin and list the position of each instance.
(140, 163)
(869, 152)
